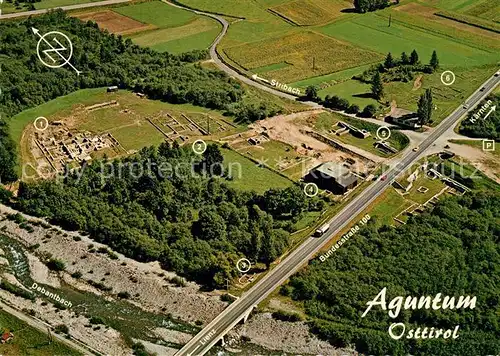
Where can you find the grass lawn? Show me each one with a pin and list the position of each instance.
(389, 205)
(445, 98)
(353, 90)
(434, 187)
(28, 340)
(337, 77)
(9, 7)
(177, 30)
(157, 13)
(46, 4)
(248, 176)
(276, 155)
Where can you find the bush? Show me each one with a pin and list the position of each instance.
(76, 274)
(353, 109)
(124, 295)
(369, 111)
(61, 329)
(5, 195)
(139, 349)
(226, 298)
(9, 287)
(287, 316)
(55, 264)
(178, 281)
(95, 320)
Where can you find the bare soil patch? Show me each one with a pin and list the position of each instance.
(418, 82)
(114, 22)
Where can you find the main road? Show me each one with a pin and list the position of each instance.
(213, 332)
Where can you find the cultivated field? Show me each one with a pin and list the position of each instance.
(299, 51)
(280, 40)
(310, 12)
(487, 9)
(158, 25)
(402, 37)
(114, 22)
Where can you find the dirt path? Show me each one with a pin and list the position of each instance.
(417, 84)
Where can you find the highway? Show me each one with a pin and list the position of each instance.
(213, 332)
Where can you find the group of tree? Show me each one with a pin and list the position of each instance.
(399, 69)
(485, 124)
(105, 59)
(363, 6)
(187, 219)
(453, 249)
(425, 107)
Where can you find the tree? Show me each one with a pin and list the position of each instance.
(425, 107)
(213, 160)
(312, 93)
(434, 63)
(377, 86)
(404, 58)
(361, 6)
(389, 61)
(210, 225)
(414, 57)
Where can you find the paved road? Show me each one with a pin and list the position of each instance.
(42, 327)
(65, 8)
(213, 332)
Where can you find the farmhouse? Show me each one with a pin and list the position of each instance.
(333, 177)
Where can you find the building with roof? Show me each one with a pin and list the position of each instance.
(332, 176)
(404, 118)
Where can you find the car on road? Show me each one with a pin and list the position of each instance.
(482, 89)
(416, 149)
(466, 106)
(497, 74)
(322, 230)
(383, 177)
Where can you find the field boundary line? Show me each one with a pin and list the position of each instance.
(284, 18)
(176, 2)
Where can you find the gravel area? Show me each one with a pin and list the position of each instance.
(294, 338)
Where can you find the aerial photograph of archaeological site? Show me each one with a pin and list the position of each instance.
(250, 177)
